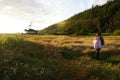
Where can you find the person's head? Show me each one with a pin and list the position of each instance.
(98, 34)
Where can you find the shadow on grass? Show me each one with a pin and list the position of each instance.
(69, 53)
(47, 50)
(107, 55)
(27, 61)
(111, 56)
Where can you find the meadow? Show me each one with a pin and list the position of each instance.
(58, 57)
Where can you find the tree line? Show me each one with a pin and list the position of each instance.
(99, 18)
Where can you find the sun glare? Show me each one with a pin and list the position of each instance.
(10, 25)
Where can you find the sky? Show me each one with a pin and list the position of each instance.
(16, 15)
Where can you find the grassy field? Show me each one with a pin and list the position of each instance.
(35, 57)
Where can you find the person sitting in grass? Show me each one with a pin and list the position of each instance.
(98, 44)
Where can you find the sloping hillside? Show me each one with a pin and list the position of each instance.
(103, 18)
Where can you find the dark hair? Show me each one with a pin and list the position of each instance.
(101, 38)
(98, 34)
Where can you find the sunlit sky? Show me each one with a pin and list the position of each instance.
(16, 15)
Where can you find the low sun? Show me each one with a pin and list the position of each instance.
(10, 25)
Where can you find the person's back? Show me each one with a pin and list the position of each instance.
(97, 42)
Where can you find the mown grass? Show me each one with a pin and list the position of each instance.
(34, 57)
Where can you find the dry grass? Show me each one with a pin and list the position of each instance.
(75, 42)
(50, 57)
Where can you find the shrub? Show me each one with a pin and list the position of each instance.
(116, 32)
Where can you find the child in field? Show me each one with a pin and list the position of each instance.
(98, 44)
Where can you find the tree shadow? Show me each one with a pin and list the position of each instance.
(68, 53)
(38, 60)
(40, 50)
(105, 56)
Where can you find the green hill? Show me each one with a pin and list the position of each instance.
(103, 18)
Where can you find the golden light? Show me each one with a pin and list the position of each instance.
(61, 24)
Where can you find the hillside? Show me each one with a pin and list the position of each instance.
(103, 18)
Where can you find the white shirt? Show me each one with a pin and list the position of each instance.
(97, 43)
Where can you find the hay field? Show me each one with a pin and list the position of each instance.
(55, 57)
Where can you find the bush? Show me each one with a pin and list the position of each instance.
(11, 42)
(116, 32)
